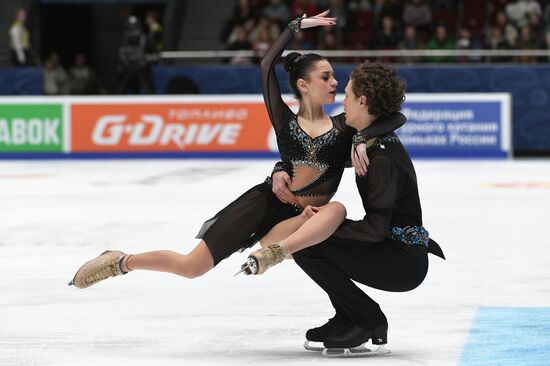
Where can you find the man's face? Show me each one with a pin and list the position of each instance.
(352, 105)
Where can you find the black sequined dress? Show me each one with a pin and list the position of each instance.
(314, 164)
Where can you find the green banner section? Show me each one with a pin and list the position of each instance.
(31, 127)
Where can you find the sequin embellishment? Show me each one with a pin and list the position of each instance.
(410, 235)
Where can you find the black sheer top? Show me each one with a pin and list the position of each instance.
(314, 164)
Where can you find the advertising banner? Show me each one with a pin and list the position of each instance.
(459, 125)
(438, 126)
(31, 127)
(191, 126)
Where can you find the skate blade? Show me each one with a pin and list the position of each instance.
(244, 269)
(238, 273)
(360, 351)
(309, 347)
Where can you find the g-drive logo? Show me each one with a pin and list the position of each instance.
(151, 129)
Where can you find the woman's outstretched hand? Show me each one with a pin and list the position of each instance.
(319, 20)
(360, 159)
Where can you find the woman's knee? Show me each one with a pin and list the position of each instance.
(193, 266)
(337, 209)
(196, 263)
(191, 270)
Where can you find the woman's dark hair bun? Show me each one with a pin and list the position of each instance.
(288, 62)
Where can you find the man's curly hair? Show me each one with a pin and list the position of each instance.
(384, 90)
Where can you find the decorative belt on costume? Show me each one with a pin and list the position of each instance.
(410, 235)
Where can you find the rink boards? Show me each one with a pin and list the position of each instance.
(439, 126)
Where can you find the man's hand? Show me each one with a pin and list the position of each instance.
(280, 188)
(360, 159)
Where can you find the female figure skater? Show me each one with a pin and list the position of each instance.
(314, 148)
(386, 250)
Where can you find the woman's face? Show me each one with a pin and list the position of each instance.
(352, 105)
(321, 86)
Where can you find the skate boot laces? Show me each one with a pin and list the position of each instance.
(98, 269)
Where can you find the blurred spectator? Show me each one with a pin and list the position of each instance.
(83, 82)
(440, 41)
(301, 7)
(392, 9)
(509, 32)
(526, 41)
(518, 11)
(534, 21)
(240, 43)
(278, 12)
(300, 42)
(419, 14)
(248, 27)
(329, 41)
(466, 40)
(242, 11)
(264, 24)
(386, 38)
(135, 70)
(338, 10)
(360, 5)
(495, 41)
(56, 80)
(155, 43)
(444, 5)
(20, 40)
(261, 42)
(546, 14)
(410, 42)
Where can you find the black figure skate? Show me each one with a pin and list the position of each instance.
(350, 342)
(317, 335)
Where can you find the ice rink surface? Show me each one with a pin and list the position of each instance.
(488, 304)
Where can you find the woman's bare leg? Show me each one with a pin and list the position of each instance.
(318, 228)
(300, 232)
(313, 230)
(282, 230)
(191, 265)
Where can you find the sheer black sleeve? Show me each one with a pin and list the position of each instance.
(378, 191)
(278, 111)
(279, 167)
(379, 127)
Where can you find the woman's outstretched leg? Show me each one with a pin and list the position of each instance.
(115, 263)
(191, 265)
